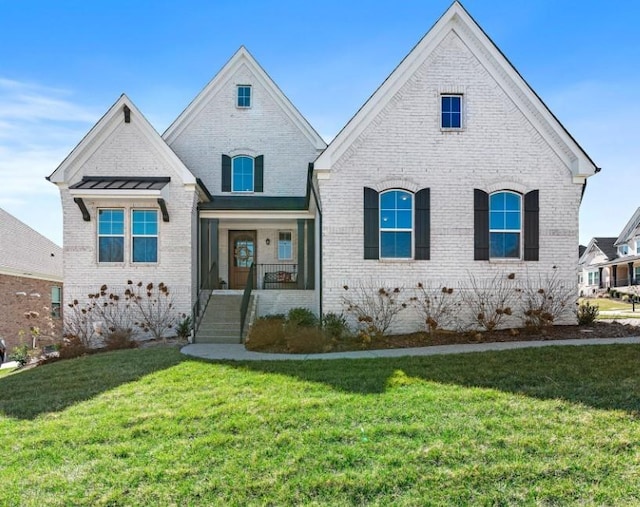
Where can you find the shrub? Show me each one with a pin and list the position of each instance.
(335, 325)
(545, 302)
(488, 301)
(73, 346)
(265, 333)
(302, 317)
(120, 340)
(183, 330)
(306, 340)
(587, 314)
(438, 307)
(375, 309)
(626, 298)
(20, 354)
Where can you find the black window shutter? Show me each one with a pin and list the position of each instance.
(258, 175)
(226, 173)
(423, 225)
(480, 225)
(371, 224)
(531, 226)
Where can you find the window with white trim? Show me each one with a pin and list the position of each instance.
(242, 174)
(285, 246)
(56, 302)
(623, 250)
(396, 224)
(594, 278)
(243, 100)
(505, 225)
(110, 235)
(144, 235)
(451, 112)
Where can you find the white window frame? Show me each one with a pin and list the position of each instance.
(519, 231)
(156, 235)
(253, 175)
(238, 96)
(594, 278)
(123, 236)
(462, 104)
(290, 233)
(56, 311)
(400, 229)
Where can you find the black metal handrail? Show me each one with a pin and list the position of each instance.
(198, 309)
(246, 297)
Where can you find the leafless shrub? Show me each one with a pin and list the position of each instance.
(545, 302)
(374, 309)
(438, 306)
(488, 301)
(155, 309)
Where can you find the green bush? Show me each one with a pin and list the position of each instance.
(587, 314)
(266, 333)
(302, 317)
(20, 354)
(335, 325)
(183, 330)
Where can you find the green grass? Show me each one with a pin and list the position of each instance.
(6, 371)
(610, 304)
(552, 426)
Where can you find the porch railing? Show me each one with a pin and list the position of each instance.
(278, 276)
(246, 298)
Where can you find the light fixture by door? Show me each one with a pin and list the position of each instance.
(268, 241)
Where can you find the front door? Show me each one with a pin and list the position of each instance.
(242, 252)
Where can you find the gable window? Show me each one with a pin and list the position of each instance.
(56, 301)
(144, 236)
(244, 96)
(285, 246)
(396, 224)
(242, 174)
(505, 225)
(451, 111)
(623, 249)
(110, 235)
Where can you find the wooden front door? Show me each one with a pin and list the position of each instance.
(242, 252)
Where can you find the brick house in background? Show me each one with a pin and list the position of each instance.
(453, 168)
(30, 283)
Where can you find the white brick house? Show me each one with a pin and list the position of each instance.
(454, 168)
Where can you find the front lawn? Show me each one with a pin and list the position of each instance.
(551, 426)
(606, 305)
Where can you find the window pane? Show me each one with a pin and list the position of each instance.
(145, 249)
(395, 244)
(511, 201)
(145, 222)
(496, 220)
(512, 220)
(505, 245)
(403, 219)
(111, 249)
(403, 200)
(285, 250)
(388, 200)
(110, 221)
(244, 96)
(387, 219)
(496, 201)
(243, 174)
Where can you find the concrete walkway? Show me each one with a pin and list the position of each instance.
(232, 352)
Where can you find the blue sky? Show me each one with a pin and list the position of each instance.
(63, 63)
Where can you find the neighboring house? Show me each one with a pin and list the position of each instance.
(612, 262)
(453, 169)
(30, 284)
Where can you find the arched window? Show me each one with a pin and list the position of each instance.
(242, 174)
(505, 225)
(396, 224)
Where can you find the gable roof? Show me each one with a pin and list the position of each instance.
(629, 228)
(240, 58)
(458, 20)
(605, 245)
(101, 131)
(25, 252)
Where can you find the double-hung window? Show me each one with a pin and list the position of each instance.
(242, 176)
(144, 235)
(396, 224)
(56, 301)
(285, 246)
(111, 235)
(244, 96)
(505, 225)
(594, 278)
(451, 111)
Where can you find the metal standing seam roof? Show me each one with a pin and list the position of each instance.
(120, 183)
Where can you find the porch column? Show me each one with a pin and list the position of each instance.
(601, 283)
(630, 269)
(311, 254)
(209, 253)
(301, 276)
(614, 275)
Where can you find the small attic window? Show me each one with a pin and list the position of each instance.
(243, 96)
(451, 112)
(127, 114)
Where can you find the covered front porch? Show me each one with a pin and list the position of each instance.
(620, 274)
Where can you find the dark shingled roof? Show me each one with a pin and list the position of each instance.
(581, 249)
(120, 183)
(607, 245)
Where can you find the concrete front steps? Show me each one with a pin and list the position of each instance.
(221, 321)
